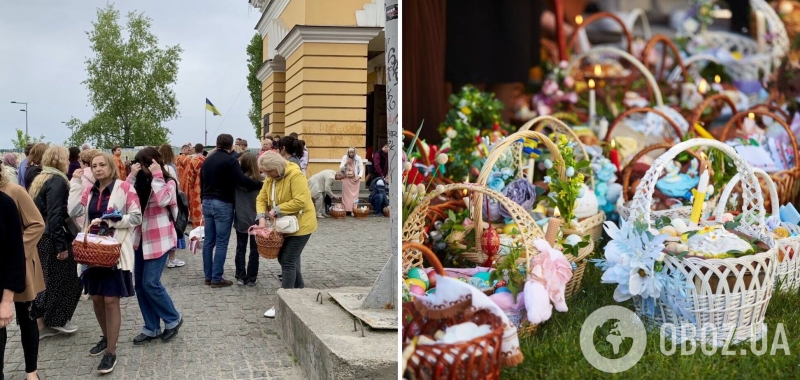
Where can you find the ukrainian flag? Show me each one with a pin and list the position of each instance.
(211, 108)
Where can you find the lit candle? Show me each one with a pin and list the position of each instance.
(717, 86)
(597, 70)
(761, 30)
(583, 39)
(699, 196)
(613, 155)
(698, 128)
(717, 79)
(702, 88)
(592, 103)
(750, 123)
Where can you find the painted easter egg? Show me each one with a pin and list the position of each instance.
(430, 291)
(417, 290)
(501, 289)
(432, 278)
(509, 228)
(419, 274)
(463, 279)
(416, 282)
(483, 276)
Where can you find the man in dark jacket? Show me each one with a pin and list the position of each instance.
(378, 195)
(219, 176)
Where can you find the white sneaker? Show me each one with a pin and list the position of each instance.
(270, 313)
(48, 332)
(175, 263)
(320, 216)
(68, 328)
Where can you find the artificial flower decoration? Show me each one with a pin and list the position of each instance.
(565, 192)
(546, 283)
(520, 191)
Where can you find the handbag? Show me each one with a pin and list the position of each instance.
(349, 171)
(286, 224)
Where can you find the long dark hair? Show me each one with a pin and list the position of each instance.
(144, 178)
(249, 165)
(293, 146)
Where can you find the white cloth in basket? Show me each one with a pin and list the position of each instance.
(96, 239)
(450, 291)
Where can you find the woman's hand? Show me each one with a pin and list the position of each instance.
(78, 173)
(154, 167)
(272, 214)
(135, 168)
(262, 222)
(6, 313)
(62, 255)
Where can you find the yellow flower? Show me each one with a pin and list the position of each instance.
(781, 232)
(466, 110)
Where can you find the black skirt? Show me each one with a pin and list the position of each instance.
(107, 282)
(491, 41)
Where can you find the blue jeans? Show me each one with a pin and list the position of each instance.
(154, 302)
(218, 218)
(379, 201)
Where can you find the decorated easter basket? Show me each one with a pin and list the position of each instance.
(579, 262)
(479, 358)
(728, 295)
(788, 272)
(623, 207)
(425, 161)
(709, 110)
(102, 251)
(268, 241)
(338, 211)
(644, 136)
(592, 225)
(753, 65)
(362, 211)
(588, 69)
(787, 181)
(669, 84)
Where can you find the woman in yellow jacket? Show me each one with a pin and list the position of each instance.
(291, 197)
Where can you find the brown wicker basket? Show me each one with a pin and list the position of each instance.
(362, 213)
(338, 211)
(643, 110)
(787, 181)
(387, 211)
(715, 103)
(95, 254)
(479, 358)
(269, 242)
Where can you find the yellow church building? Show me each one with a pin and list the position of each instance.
(323, 75)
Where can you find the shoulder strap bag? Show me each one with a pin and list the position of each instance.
(287, 224)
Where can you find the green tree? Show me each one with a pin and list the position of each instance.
(129, 82)
(22, 139)
(255, 57)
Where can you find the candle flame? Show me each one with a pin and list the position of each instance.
(701, 88)
(556, 212)
(597, 70)
(703, 156)
(613, 144)
(717, 79)
(751, 116)
(591, 84)
(578, 20)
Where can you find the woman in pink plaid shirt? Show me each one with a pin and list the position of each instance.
(156, 237)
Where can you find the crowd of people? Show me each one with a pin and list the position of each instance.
(52, 194)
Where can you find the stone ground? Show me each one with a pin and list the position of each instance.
(224, 334)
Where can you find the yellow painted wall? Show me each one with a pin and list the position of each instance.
(372, 79)
(295, 14)
(265, 48)
(273, 95)
(326, 99)
(335, 13)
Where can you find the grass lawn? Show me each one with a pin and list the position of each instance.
(554, 350)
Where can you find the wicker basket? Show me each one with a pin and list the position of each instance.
(361, 213)
(558, 162)
(729, 295)
(338, 211)
(787, 181)
(667, 81)
(717, 102)
(678, 131)
(96, 254)
(580, 29)
(788, 272)
(268, 242)
(622, 205)
(387, 211)
(593, 225)
(479, 358)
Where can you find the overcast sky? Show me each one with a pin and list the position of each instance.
(43, 47)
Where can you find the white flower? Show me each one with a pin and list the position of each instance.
(552, 194)
(547, 179)
(407, 166)
(421, 189)
(451, 133)
(441, 159)
(630, 260)
(412, 189)
(691, 25)
(440, 189)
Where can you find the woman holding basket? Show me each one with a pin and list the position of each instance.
(285, 194)
(110, 207)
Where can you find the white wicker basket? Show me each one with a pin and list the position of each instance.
(788, 271)
(727, 296)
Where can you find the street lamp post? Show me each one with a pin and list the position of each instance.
(26, 115)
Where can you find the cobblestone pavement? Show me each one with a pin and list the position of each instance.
(224, 335)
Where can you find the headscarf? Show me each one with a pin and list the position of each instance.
(10, 160)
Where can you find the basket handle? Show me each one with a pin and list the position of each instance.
(432, 259)
(774, 109)
(596, 17)
(753, 199)
(627, 171)
(425, 160)
(667, 44)
(760, 112)
(630, 58)
(698, 111)
(726, 193)
(559, 126)
(624, 115)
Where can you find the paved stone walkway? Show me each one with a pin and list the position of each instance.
(224, 335)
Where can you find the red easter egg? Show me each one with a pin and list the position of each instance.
(432, 278)
(490, 241)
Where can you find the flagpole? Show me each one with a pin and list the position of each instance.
(205, 125)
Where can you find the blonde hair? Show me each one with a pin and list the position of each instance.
(87, 156)
(271, 160)
(109, 162)
(56, 157)
(37, 153)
